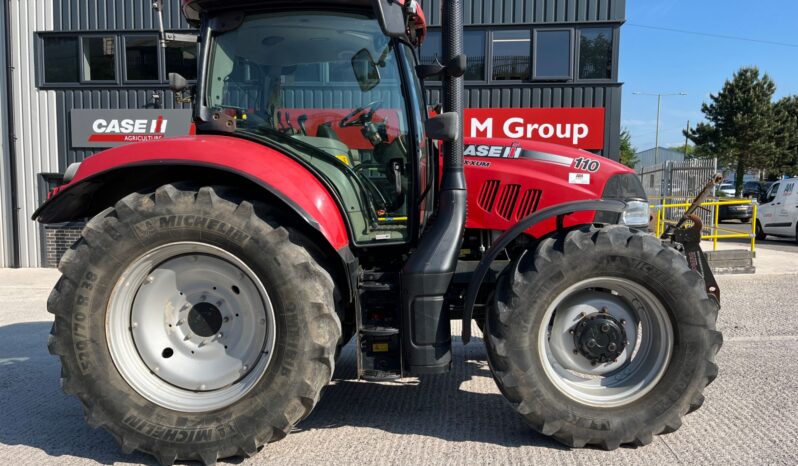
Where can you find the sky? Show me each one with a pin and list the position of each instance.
(656, 61)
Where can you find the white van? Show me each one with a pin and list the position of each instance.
(778, 212)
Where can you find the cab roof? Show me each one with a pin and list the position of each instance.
(193, 8)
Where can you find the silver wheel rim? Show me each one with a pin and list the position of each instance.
(190, 327)
(639, 367)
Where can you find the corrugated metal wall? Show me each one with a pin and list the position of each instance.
(531, 11)
(34, 118)
(42, 116)
(107, 15)
(5, 182)
(540, 94)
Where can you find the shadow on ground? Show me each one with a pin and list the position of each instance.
(33, 409)
(35, 412)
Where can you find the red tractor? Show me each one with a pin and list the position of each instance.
(201, 313)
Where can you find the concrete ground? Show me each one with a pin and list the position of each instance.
(750, 415)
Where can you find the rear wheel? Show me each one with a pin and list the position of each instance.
(603, 337)
(181, 328)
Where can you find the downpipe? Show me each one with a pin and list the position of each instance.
(426, 335)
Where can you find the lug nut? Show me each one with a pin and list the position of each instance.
(591, 343)
(623, 321)
(220, 335)
(605, 328)
(571, 331)
(148, 280)
(611, 347)
(604, 310)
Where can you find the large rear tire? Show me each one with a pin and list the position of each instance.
(193, 325)
(602, 336)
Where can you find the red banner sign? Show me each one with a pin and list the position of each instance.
(576, 127)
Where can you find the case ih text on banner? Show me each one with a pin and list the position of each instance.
(576, 127)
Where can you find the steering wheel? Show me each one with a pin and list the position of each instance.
(362, 118)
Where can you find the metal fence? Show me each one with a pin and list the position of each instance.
(679, 182)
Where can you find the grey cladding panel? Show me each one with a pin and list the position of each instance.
(531, 11)
(104, 15)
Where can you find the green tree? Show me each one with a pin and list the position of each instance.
(740, 124)
(786, 136)
(628, 151)
(680, 149)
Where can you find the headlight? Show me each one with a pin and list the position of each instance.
(635, 214)
(71, 171)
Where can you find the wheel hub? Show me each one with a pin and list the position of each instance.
(600, 338)
(205, 319)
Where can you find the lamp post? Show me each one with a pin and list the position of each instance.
(659, 107)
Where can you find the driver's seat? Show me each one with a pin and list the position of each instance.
(326, 131)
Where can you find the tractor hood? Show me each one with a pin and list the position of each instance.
(509, 179)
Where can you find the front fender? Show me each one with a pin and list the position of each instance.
(519, 228)
(277, 173)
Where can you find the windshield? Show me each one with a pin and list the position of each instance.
(327, 85)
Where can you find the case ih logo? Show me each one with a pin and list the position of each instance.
(128, 130)
(109, 128)
(576, 127)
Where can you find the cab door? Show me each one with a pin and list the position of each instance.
(767, 210)
(785, 204)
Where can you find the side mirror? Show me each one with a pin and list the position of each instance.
(177, 82)
(391, 17)
(455, 68)
(366, 71)
(443, 127)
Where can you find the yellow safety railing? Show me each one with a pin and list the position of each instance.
(712, 232)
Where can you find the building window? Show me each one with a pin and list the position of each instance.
(595, 53)
(430, 50)
(553, 57)
(511, 55)
(181, 59)
(60, 59)
(474, 48)
(141, 58)
(99, 58)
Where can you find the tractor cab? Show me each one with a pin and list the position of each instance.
(332, 85)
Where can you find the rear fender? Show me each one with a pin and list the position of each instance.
(282, 177)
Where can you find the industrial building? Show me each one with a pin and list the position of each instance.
(551, 65)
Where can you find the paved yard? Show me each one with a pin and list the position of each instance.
(750, 416)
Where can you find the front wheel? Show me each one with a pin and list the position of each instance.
(760, 233)
(193, 324)
(602, 336)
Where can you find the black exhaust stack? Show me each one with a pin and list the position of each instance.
(426, 336)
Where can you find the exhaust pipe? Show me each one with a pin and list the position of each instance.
(426, 336)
